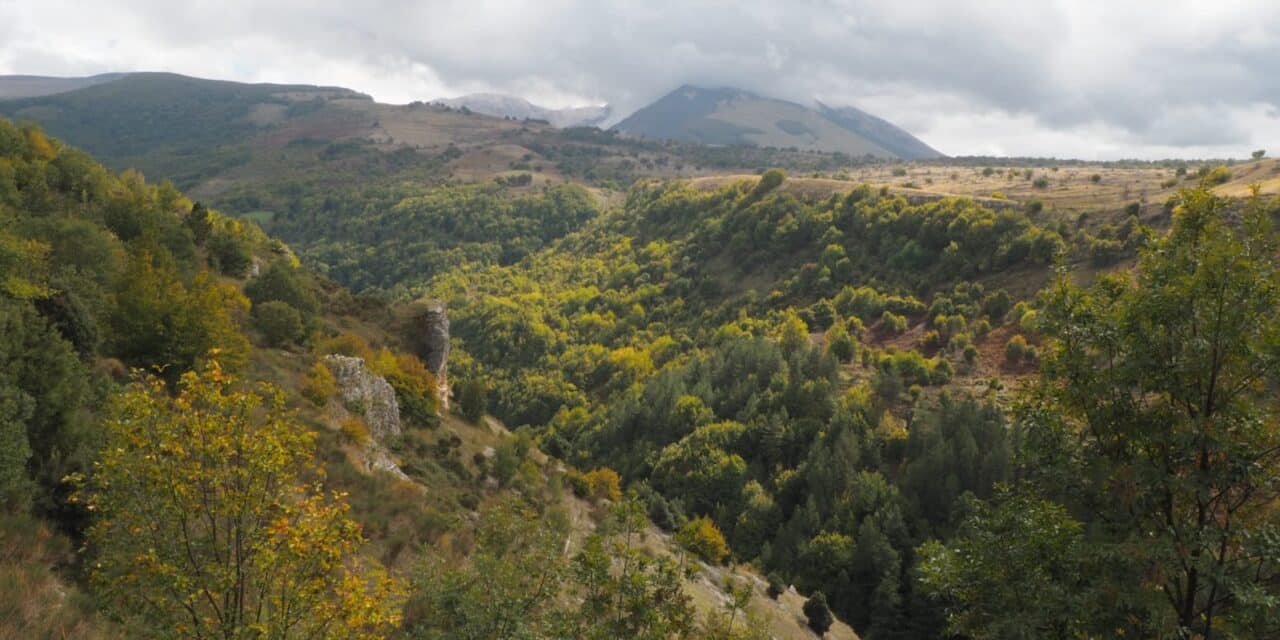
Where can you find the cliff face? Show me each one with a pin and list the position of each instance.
(435, 344)
(360, 387)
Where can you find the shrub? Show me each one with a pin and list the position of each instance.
(769, 180)
(1015, 349)
(940, 371)
(818, 613)
(1103, 252)
(346, 344)
(1096, 178)
(702, 537)
(932, 340)
(319, 385)
(981, 328)
(892, 322)
(578, 483)
(660, 513)
(279, 323)
(473, 399)
(997, 304)
(286, 283)
(603, 484)
(229, 254)
(1216, 176)
(1040, 183)
(840, 344)
(354, 430)
(776, 585)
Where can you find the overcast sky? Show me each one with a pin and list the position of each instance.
(1066, 78)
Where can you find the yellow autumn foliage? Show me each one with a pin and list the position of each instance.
(204, 527)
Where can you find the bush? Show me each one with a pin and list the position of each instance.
(319, 384)
(355, 430)
(702, 537)
(231, 255)
(473, 400)
(660, 513)
(769, 181)
(940, 371)
(840, 344)
(818, 613)
(603, 484)
(279, 323)
(1041, 183)
(892, 322)
(997, 304)
(776, 585)
(1103, 252)
(932, 340)
(285, 283)
(1015, 349)
(1216, 176)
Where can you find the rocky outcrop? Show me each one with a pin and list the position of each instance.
(435, 345)
(360, 387)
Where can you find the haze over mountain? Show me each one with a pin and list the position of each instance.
(728, 116)
(506, 106)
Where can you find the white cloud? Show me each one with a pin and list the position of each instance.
(1090, 78)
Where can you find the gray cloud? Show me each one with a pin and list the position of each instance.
(1089, 78)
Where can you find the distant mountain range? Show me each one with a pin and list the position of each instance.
(728, 116)
(504, 106)
(121, 115)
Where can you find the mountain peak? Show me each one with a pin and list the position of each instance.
(734, 116)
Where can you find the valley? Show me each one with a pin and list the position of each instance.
(736, 368)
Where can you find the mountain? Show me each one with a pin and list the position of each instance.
(505, 106)
(12, 87)
(727, 116)
(137, 113)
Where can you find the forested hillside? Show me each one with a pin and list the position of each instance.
(201, 438)
(835, 383)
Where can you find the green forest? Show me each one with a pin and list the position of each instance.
(930, 419)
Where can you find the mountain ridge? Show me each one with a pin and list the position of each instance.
(508, 106)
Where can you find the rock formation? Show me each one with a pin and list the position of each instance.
(374, 399)
(360, 387)
(435, 345)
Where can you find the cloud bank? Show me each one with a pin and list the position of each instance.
(1067, 78)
